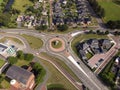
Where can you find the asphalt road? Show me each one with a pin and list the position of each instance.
(91, 81)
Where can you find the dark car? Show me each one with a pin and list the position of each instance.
(78, 63)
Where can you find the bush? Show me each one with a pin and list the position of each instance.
(106, 32)
(42, 27)
(39, 72)
(113, 24)
(20, 54)
(12, 60)
(62, 27)
(55, 87)
(106, 75)
(4, 19)
(1, 78)
(28, 57)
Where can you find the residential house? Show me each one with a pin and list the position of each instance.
(82, 49)
(21, 79)
(94, 44)
(105, 44)
(82, 54)
(83, 46)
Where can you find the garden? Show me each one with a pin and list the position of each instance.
(107, 75)
(23, 60)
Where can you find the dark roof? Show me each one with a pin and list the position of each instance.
(19, 74)
(84, 46)
(93, 43)
(2, 47)
(105, 41)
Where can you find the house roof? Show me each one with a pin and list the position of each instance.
(2, 47)
(19, 74)
(93, 43)
(84, 45)
(105, 41)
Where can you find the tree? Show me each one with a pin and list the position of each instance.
(12, 60)
(20, 54)
(4, 19)
(109, 24)
(1, 78)
(98, 31)
(102, 12)
(62, 27)
(28, 57)
(106, 32)
(39, 72)
(41, 27)
(33, 0)
(37, 66)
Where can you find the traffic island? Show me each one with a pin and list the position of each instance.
(57, 44)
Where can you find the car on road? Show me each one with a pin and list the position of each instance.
(78, 63)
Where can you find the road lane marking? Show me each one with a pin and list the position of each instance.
(75, 63)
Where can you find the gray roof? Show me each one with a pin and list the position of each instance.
(2, 47)
(105, 41)
(84, 45)
(19, 74)
(94, 43)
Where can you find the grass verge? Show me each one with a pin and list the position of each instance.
(57, 78)
(2, 62)
(34, 42)
(10, 38)
(62, 64)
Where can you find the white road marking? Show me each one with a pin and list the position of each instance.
(75, 63)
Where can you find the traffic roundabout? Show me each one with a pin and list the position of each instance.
(57, 44)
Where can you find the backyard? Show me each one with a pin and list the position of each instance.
(21, 5)
(107, 75)
(111, 10)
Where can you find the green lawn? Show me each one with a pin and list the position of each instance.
(89, 55)
(83, 37)
(69, 30)
(1, 1)
(112, 10)
(21, 5)
(56, 44)
(22, 62)
(10, 38)
(5, 84)
(34, 42)
(62, 64)
(55, 87)
(57, 78)
(1, 63)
